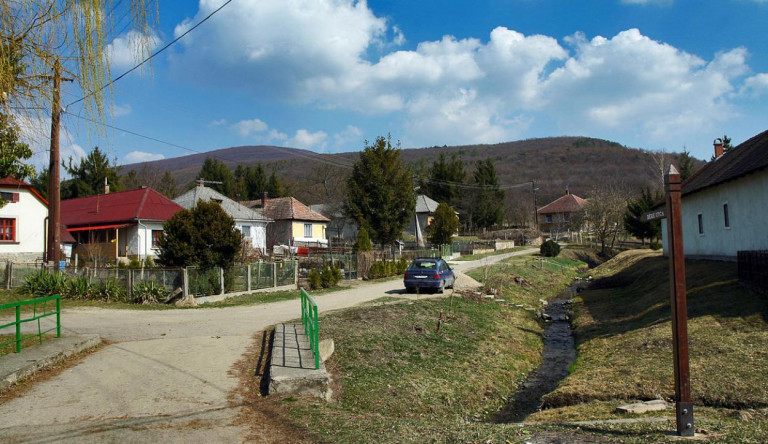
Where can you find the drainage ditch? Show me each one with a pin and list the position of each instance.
(559, 353)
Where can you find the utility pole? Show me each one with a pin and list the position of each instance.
(535, 207)
(54, 183)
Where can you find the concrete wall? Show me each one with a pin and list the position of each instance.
(30, 214)
(747, 200)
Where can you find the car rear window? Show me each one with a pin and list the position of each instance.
(423, 264)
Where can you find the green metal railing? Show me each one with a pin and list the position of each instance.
(36, 316)
(309, 320)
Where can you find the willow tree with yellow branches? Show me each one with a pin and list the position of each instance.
(35, 35)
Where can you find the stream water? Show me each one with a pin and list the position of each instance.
(559, 353)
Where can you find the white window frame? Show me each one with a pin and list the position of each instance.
(308, 227)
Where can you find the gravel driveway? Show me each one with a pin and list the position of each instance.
(166, 376)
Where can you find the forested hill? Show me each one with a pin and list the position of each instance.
(555, 163)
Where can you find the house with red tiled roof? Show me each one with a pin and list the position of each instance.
(118, 225)
(295, 224)
(725, 203)
(22, 221)
(561, 217)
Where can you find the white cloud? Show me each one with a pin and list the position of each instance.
(121, 110)
(246, 127)
(756, 85)
(305, 139)
(220, 122)
(140, 156)
(125, 51)
(351, 136)
(458, 90)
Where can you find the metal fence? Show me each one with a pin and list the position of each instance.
(39, 309)
(753, 269)
(200, 282)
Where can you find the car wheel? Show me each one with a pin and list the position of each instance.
(442, 288)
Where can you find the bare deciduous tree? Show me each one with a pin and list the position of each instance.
(605, 213)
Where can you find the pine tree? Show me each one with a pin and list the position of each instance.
(445, 177)
(685, 164)
(444, 225)
(636, 208)
(214, 170)
(380, 193)
(88, 177)
(488, 205)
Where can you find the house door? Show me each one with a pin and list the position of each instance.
(122, 242)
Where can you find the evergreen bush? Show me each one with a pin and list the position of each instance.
(550, 248)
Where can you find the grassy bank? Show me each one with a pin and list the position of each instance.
(399, 379)
(623, 335)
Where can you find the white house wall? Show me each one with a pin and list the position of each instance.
(30, 214)
(258, 233)
(140, 239)
(747, 200)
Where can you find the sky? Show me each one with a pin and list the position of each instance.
(326, 75)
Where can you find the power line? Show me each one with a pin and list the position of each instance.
(153, 54)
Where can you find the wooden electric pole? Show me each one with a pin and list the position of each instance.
(54, 183)
(683, 404)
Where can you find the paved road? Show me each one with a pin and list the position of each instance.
(167, 375)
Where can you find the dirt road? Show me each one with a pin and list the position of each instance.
(167, 376)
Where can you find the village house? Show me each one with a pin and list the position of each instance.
(724, 203)
(562, 217)
(118, 226)
(23, 220)
(295, 224)
(248, 221)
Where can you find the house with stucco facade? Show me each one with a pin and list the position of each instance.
(725, 203)
(23, 220)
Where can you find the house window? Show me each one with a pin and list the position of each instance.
(726, 220)
(9, 197)
(246, 231)
(156, 235)
(701, 224)
(307, 230)
(549, 218)
(7, 230)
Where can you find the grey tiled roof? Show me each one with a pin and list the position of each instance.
(234, 209)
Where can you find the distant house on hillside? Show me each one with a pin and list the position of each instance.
(295, 224)
(561, 217)
(725, 203)
(250, 222)
(22, 221)
(118, 225)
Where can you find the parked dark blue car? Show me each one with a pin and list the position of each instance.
(428, 273)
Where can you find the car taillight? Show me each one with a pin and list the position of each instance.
(406, 275)
(436, 276)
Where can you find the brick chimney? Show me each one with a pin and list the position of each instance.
(718, 147)
(264, 200)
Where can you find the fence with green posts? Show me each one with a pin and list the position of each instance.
(36, 316)
(309, 321)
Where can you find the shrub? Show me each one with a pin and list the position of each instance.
(78, 288)
(148, 293)
(314, 280)
(550, 248)
(110, 290)
(655, 246)
(149, 262)
(45, 283)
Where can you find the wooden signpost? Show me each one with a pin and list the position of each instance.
(683, 404)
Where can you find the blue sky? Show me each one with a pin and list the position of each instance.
(325, 75)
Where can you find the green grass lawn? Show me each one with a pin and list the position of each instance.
(624, 342)
(398, 379)
(472, 257)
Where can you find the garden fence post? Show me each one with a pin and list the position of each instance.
(9, 270)
(249, 278)
(274, 274)
(184, 282)
(221, 279)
